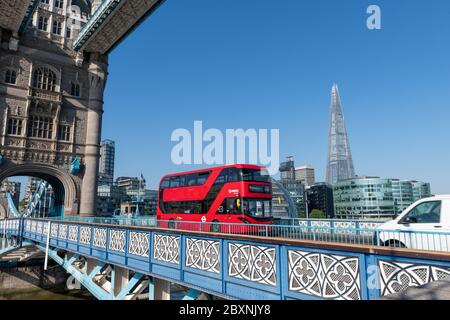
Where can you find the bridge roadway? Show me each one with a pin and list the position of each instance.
(122, 262)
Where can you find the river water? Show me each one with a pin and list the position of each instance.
(41, 294)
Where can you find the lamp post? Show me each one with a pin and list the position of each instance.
(306, 204)
(138, 198)
(141, 180)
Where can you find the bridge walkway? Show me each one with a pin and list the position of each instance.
(125, 261)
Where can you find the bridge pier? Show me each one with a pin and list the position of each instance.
(120, 279)
(161, 289)
(91, 263)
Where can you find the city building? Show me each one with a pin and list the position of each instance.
(109, 199)
(287, 169)
(305, 174)
(402, 191)
(106, 165)
(340, 162)
(320, 197)
(363, 197)
(288, 199)
(151, 202)
(12, 187)
(420, 190)
(296, 190)
(129, 184)
(133, 188)
(129, 207)
(376, 197)
(407, 192)
(147, 204)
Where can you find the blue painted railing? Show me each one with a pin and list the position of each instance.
(243, 267)
(331, 223)
(11, 206)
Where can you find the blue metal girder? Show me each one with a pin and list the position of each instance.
(101, 15)
(87, 279)
(28, 15)
(36, 198)
(131, 283)
(97, 19)
(193, 294)
(12, 207)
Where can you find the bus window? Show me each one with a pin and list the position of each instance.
(232, 174)
(165, 183)
(257, 207)
(230, 206)
(182, 181)
(202, 177)
(191, 180)
(221, 179)
(175, 182)
(255, 175)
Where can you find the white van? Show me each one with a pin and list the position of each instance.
(424, 225)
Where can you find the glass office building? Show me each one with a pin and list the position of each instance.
(420, 190)
(106, 164)
(320, 197)
(340, 162)
(296, 190)
(363, 197)
(402, 191)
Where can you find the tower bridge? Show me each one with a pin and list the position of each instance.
(53, 74)
(53, 71)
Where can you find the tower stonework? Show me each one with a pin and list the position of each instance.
(339, 162)
(51, 105)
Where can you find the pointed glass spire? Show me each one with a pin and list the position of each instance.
(340, 162)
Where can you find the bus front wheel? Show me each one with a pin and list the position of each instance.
(215, 226)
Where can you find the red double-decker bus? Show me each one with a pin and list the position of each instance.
(233, 194)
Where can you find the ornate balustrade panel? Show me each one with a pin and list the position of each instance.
(9, 227)
(397, 275)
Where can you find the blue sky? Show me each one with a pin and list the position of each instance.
(265, 64)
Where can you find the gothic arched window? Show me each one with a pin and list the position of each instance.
(59, 4)
(10, 76)
(75, 89)
(44, 78)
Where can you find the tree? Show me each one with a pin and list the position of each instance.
(317, 214)
(22, 203)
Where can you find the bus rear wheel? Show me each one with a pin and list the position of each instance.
(215, 226)
(171, 224)
(394, 244)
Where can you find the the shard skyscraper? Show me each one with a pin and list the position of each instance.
(340, 162)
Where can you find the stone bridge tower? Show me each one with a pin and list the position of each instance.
(51, 103)
(53, 71)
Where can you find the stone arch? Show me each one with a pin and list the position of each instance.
(64, 187)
